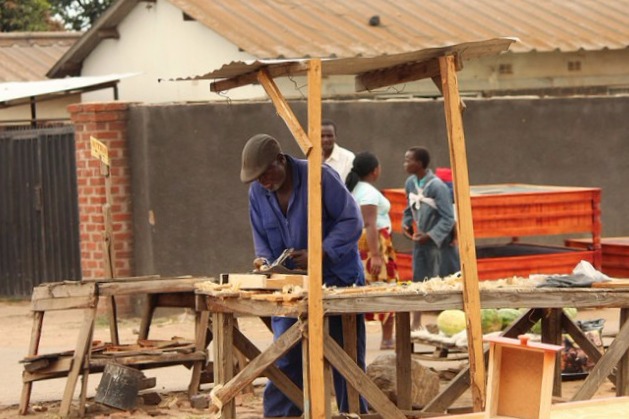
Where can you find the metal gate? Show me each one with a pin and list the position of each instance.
(39, 230)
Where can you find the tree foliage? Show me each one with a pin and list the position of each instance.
(79, 14)
(26, 16)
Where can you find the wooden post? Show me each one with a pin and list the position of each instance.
(108, 254)
(465, 228)
(315, 256)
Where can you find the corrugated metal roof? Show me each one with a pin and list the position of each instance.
(27, 56)
(359, 65)
(341, 28)
(269, 29)
(14, 93)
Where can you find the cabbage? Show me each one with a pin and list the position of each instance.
(508, 316)
(451, 322)
(490, 320)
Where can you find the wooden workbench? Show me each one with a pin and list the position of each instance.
(544, 304)
(84, 296)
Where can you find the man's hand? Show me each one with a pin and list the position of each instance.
(300, 257)
(259, 264)
(376, 264)
(422, 238)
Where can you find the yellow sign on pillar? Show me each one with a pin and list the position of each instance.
(99, 150)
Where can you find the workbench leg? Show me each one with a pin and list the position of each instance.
(112, 314)
(33, 348)
(86, 374)
(403, 361)
(201, 320)
(240, 363)
(147, 315)
(223, 336)
(551, 333)
(350, 347)
(328, 376)
(622, 375)
(83, 345)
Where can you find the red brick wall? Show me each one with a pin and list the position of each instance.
(108, 123)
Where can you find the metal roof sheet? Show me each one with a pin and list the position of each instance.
(270, 29)
(27, 56)
(14, 93)
(360, 65)
(347, 28)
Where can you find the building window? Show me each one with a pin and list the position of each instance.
(574, 65)
(505, 69)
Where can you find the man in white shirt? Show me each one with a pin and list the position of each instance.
(337, 157)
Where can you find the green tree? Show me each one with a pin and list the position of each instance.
(79, 15)
(26, 16)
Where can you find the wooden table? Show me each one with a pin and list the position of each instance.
(84, 296)
(543, 303)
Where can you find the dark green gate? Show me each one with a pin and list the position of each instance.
(39, 230)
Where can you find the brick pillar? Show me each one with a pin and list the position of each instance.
(108, 123)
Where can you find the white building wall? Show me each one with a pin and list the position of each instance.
(156, 42)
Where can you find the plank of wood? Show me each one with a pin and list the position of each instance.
(33, 347)
(614, 283)
(467, 249)
(222, 330)
(285, 112)
(201, 323)
(261, 281)
(82, 347)
(317, 399)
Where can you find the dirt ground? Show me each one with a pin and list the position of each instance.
(61, 328)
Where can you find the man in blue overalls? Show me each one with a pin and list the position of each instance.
(278, 209)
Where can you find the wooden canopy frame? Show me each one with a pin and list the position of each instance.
(439, 64)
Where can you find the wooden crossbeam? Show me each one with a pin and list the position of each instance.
(284, 111)
(403, 73)
(288, 69)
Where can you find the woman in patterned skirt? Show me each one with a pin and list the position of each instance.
(375, 245)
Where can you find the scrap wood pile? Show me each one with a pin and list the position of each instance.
(101, 352)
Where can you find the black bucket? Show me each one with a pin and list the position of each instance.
(119, 386)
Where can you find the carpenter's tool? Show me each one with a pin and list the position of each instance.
(277, 266)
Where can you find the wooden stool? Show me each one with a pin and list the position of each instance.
(62, 296)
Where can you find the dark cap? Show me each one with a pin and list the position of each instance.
(259, 152)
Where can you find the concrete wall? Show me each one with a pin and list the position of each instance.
(190, 210)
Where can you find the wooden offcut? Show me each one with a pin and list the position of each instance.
(264, 282)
